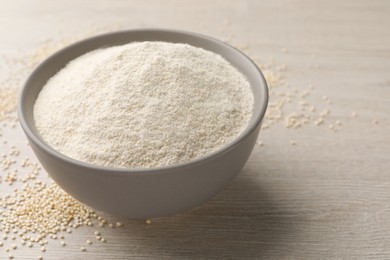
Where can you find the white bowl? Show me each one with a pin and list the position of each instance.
(144, 193)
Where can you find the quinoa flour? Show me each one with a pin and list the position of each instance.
(143, 105)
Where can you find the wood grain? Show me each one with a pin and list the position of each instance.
(328, 197)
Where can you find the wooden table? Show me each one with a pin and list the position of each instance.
(327, 197)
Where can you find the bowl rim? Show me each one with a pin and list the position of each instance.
(38, 140)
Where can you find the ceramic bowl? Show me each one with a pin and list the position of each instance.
(144, 193)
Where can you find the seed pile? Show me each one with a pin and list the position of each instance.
(39, 212)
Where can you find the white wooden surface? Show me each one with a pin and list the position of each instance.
(328, 197)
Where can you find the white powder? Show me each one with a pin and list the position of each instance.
(143, 105)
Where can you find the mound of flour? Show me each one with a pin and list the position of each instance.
(143, 105)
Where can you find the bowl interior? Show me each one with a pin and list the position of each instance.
(58, 60)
